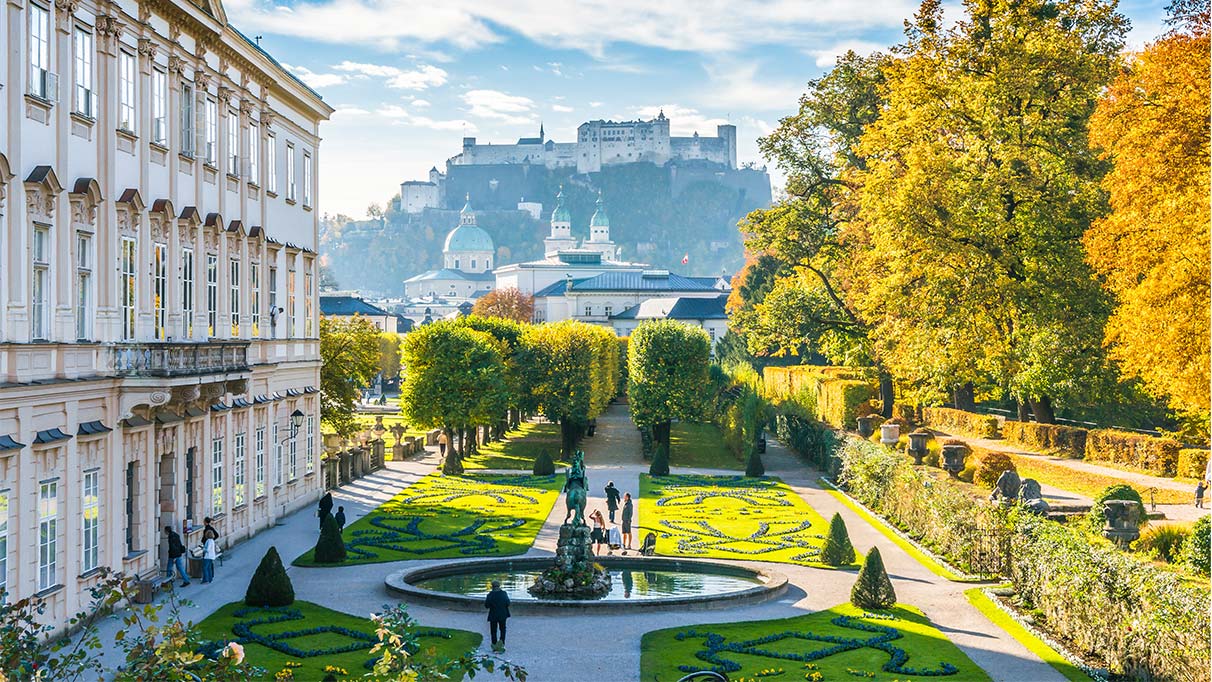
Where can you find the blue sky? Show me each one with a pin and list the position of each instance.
(410, 78)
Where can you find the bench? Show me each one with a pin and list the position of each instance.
(149, 584)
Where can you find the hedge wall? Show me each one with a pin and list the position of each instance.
(1192, 462)
(1157, 456)
(831, 394)
(840, 400)
(961, 422)
(1068, 441)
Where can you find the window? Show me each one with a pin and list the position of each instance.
(212, 293)
(216, 477)
(254, 285)
(259, 462)
(290, 172)
(41, 80)
(190, 478)
(309, 456)
(84, 285)
(277, 458)
(237, 477)
(186, 125)
(3, 543)
(132, 479)
(126, 92)
(290, 302)
(306, 179)
(48, 532)
(608, 310)
(160, 288)
(159, 85)
(234, 302)
(457, 266)
(40, 294)
(127, 286)
(308, 310)
(294, 452)
(273, 296)
(187, 293)
(588, 311)
(473, 265)
(254, 148)
(209, 154)
(271, 164)
(233, 142)
(91, 517)
(85, 100)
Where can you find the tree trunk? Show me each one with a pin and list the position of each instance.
(965, 397)
(1041, 407)
(660, 432)
(569, 433)
(451, 463)
(887, 395)
(1024, 411)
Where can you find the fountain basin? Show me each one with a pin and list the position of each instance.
(655, 583)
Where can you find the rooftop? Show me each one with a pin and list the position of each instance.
(676, 308)
(648, 280)
(345, 305)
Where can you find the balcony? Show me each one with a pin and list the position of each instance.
(177, 359)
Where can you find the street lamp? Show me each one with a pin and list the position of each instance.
(296, 421)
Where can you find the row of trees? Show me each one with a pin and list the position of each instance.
(353, 353)
(1006, 206)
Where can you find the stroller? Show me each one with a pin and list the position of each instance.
(614, 539)
(649, 546)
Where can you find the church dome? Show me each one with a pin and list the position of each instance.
(561, 214)
(468, 238)
(599, 218)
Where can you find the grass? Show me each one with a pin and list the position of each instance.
(519, 448)
(666, 656)
(442, 642)
(442, 517)
(1085, 483)
(1028, 639)
(731, 517)
(700, 446)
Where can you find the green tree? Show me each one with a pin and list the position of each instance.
(667, 371)
(270, 586)
(873, 590)
(389, 356)
(837, 550)
(349, 356)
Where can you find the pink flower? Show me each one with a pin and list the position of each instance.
(234, 650)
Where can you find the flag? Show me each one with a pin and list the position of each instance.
(686, 259)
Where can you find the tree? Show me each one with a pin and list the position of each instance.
(395, 660)
(349, 355)
(270, 586)
(1152, 249)
(873, 590)
(754, 467)
(837, 550)
(543, 466)
(330, 547)
(571, 370)
(389, 356)
(667, 370)
(508, 303)
(660, 461)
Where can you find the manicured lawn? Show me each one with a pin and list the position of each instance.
(730, 517)
(700, 446)
(442, 517)
(343, 631)
(841, 643)
(519, 448)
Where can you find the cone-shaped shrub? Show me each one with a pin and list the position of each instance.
(330, 548)
(837, 550)
(660, 461)
(873, 590)
(270, 586)
(543, 466)
(754, 467)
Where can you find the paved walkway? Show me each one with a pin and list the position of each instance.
(606, 647)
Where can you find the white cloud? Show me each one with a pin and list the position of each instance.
(497, 105)
(343, 112)
(420, 78)
(595, 105)
(827, 57)
(420, 103)
(739, 85)
(683, 121)
(398, 115)
(561, 108)
(316, 80)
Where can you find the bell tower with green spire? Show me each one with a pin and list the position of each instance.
(560, 238)
(599, 233)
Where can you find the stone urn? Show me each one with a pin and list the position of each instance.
(917, 445)
(1122, 521)
(953, 458)
(890, 434)
(866, 426)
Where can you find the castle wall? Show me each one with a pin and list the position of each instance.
(418, 196)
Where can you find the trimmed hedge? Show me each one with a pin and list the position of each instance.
(1068, 441)
(833, 395)
(1157, 456)
(1192, 462)
(990, 466)
(840, 401)
(961, 422)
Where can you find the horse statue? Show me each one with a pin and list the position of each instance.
(576, 487)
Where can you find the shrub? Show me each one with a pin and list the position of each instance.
(873, 590)
(1052, 438)
(543, 465)
(330, 548)
(1158, 456)
(1195, 551)
(837, 550)
(990, 466)
(907, 414)
(1192, 462)
(270, 586)
(841, 401)
(1164, 542)
(1118, 491)
(754, 467)
(961, 422)
(660, 461)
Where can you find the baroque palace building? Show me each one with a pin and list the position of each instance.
(159, 343)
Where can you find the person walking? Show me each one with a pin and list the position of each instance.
(340, 518)
(1200, 489)
(612, 499)
(497, 603)
(208, 530)
(598, 534)
(628, 514)
(443, 443)
(176, 556)
(210, 552)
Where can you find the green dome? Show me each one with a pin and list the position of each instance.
(599, 218)
(560, 214)
(468, 238)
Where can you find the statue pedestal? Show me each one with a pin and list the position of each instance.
(574, 573)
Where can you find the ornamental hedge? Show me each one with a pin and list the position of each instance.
(1157, 456)
(834, 395)
(1192, 462)
(1068, 441)
(961, 422)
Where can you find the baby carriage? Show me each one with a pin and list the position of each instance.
(614, 539)
(649, 546)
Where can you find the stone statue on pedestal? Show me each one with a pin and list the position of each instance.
(576, 489)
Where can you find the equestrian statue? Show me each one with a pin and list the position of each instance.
(576, 489)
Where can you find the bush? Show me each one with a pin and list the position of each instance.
(1118, 491)
(990, 466)
(834, 395)
(270, 586)
(873, 590)
(660, 461)
(961, 422)
(1164, 542)
(1052, 438)
(837, 550)
(907, 414)
(1195, 551)
(1192, 463)
(841, 401)
(330, 548)
(754, 467)
(1157, 456)
(543, 465)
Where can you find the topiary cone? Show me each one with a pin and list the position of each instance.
(754, 467)
(270, 586)
(543, 466)
(660, 461)
(330, 548)
(873, 590)
(837, 550)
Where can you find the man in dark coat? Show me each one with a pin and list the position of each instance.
(497, 603)
(176, 554)
(339, 517)
(612, 499)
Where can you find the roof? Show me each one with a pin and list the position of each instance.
(468, 238)
(348, 305)
(560, 214)
(447, 273)
(648, 280)
(678, 308)
(599, 218)
(712, 280)
(530, 140)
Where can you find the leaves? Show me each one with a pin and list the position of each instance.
(350, 357)
(509, 303)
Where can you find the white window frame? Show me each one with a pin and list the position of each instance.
(212, 294)
(233, 301)
(211, 153)
(39, 299)
(271, 163)
(186, 123)
(85, 98)
(309, 455)
(290, 171)
(254, 285)
(128, 285)
(307, 175)
(159, 92)
(309, 313)
(40, 76)
(254, 152)
(90, 521)
(48, 534)
(293, 456)
(259, 463)
(84, 286)
(233, 141)
(278, 469)
(290, 304)
(187, 293)
(216, 476)
(159, 290)
(4, 504)
(127, 92)
(238, 471)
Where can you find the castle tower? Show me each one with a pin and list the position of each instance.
(560, 238)
(599, 233)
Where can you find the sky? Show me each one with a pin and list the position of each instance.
(410, 78)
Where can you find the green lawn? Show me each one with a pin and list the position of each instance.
(730, 517)
(700, 446)
(519, 448)
(865, 648)
(442, 517)
(219, 627)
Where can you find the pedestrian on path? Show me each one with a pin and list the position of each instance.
(598, 534)
(612, 499)
(176, 556)
(443, 441)
(340, 518)
(208, 530)
(210, 552)
(497, 603)
(1200, 489)
(628, 514)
